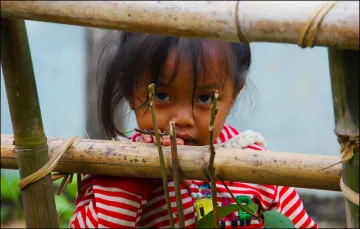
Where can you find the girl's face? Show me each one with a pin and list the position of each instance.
(174, 101)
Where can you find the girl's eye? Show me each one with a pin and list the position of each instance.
(206, 99)
(162, 97)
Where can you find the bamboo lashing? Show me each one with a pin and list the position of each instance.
(348, 193)
(347, 153)
(312, 26)
(234, 21)
(49, 167)
(241, 36)
(115, 158)
(347, 150)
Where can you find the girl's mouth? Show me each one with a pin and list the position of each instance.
(188, 140)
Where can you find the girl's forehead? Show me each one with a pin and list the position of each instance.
(208, 67)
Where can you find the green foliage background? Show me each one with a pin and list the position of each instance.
(11, 204)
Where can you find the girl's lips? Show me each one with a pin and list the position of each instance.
(188, 139)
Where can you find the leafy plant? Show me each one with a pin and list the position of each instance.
(9, 189)
(272, 219)
(11, 203)
(65, 203)
(11, 208)
(65, 208)
(208, 220)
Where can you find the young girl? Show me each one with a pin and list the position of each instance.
(184, 71)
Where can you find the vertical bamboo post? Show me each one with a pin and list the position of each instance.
(344, 71)
(30, 141)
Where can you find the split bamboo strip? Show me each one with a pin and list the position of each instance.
(210, 167)
(30, 141)
(255, 21)
(133, 159)
(151, 94)
(176, 175)
(344, 71)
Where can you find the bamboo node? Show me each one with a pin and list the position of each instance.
(49, 167)
(308, 33)
(352, 196)
(240, 35)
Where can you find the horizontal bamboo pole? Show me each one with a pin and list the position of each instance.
(141, 160)
(259, 21)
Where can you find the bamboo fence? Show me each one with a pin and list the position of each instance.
(294, 22)
(116, 158)
(253, 21)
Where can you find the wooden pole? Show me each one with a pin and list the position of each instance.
(258, 21)
(115, 158)
(30, 142)
(344, 69)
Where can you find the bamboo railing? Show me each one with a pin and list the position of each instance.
(116, 158)
(236, 21)
(256, 21)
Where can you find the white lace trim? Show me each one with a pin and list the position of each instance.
(245, 139)
(121, 138)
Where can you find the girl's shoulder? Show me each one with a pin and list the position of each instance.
(232, 138)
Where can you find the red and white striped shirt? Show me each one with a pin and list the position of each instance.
(116, 202)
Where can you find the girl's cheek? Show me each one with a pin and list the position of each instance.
(163, 116)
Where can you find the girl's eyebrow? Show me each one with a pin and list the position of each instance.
(200, 87)
(210, 86)
(162, 84)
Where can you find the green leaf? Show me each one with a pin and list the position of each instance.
(5, 190)
(207, 221)
(64, 225)
(72, 189)
(62, 203)
(252, 208)
(57, 183)
(273, 219)
(9, 189)
(15, 190)
(66, 215)
(64, 207)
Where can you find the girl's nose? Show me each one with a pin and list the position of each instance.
(183, 116)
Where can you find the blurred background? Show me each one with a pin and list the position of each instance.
(288, 100)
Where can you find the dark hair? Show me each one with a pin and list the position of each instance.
(139, 54)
